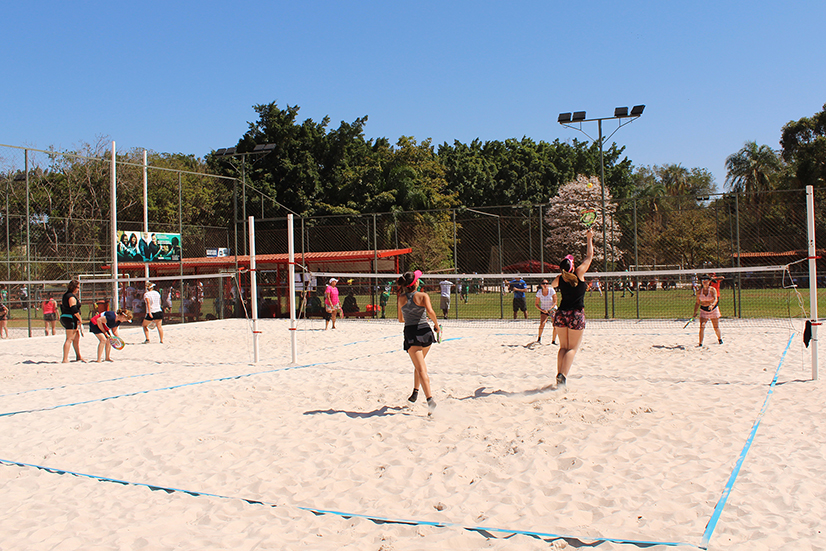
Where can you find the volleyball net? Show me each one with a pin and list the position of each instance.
(760, 294)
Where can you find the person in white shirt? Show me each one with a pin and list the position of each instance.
(154, 311)
(546, 304)
(444, 300)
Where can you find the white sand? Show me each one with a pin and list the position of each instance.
(641, 446)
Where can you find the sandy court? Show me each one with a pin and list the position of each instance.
(279, 456)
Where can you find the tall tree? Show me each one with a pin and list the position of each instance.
(753, 169)
(804, 148)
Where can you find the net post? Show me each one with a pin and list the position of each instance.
(113, 220)
(810, 219)
(253, 291)
(291, 277)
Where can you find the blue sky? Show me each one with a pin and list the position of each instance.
(182, 77)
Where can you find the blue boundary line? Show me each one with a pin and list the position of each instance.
(215, 380)
(589, 542)
(721, 503)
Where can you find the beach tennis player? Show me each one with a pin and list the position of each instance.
(546, 304)
(570, 316)
(707, 299)
(413, 309)
(331, 303)
(154, 312)
(71, 320)
(104, 324)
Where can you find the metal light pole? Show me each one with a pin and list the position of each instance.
(624, 117)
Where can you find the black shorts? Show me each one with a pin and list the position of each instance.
(49, 317)
(415, 335)
(155, 316)
(68, 322)
(519, 304)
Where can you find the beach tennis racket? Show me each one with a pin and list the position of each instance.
(439, 334)
(116, 342)
(688, 323)
(588, 217)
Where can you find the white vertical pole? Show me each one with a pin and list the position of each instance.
(810, 216)
(291, 276)
(113, 220)
(145, 207)
(254, 290)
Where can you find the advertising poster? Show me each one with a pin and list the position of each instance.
(134, 246)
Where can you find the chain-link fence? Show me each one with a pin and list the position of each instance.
(56, 225)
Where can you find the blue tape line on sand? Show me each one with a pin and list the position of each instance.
(578, 542)
(219, 379)
(718, 510)
(82, 384)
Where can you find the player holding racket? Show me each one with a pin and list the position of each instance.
(546, 304)
(104, 325)
(570, 316)
(413, 309)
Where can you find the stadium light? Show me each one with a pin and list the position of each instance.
(621, 114)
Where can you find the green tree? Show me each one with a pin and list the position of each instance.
(804, 149)
(753, 169)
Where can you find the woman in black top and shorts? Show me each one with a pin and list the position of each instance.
(570, 316)
(413, 308)
(71, 321)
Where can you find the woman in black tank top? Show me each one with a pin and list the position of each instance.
(413, 309)
(569, 319)
(71, 320)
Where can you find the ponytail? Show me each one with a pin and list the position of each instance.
(567, 267)
(126, 313)
(404, 282)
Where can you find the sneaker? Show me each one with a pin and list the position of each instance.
(431, 406)
(561, 382)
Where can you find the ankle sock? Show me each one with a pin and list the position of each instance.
(414, 396)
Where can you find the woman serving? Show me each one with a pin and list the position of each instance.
(569, 319)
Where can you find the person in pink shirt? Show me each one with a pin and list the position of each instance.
(331, 303)
(49, 307)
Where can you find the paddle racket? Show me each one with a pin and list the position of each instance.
(116, 342)
(687, 323)
(588, 217)
(439, 334)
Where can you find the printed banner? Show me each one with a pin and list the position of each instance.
(136, 246)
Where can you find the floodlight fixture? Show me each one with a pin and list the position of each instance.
(621, 112)
(637, 110)
(220, 152)
(563, 118)
(230, 151)
(578, 116)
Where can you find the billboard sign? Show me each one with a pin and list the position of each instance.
(217, 252)
(134, 246)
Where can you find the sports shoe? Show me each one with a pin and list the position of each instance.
(431, 406)
(561, 382)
